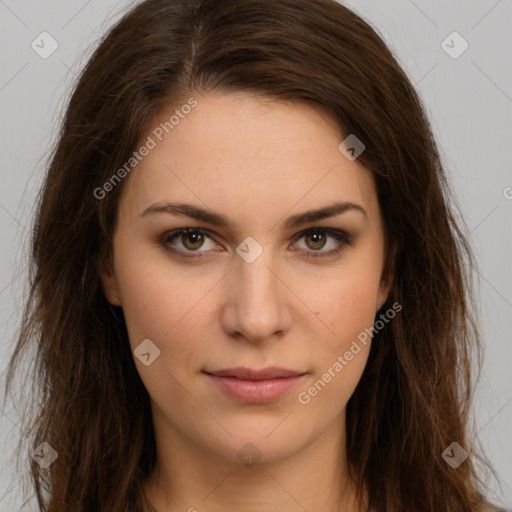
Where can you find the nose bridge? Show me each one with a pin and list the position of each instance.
(256, 280)
(258, 304)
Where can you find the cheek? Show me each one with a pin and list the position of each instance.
(346, 303)
(162, 304)
(157, 298)
(167, 310)
(328, 392)
(340, 355)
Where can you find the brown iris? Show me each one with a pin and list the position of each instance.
(192, 240)
(318, 240)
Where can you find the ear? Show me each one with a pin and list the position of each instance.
(387, 278)
(109, 283)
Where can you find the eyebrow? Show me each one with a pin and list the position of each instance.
(217, 219)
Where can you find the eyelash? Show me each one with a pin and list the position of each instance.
(340, 236)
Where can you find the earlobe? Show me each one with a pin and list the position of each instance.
(109, 283)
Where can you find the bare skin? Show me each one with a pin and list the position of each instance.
(257, 162)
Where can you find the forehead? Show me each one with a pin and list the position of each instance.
(245, 155)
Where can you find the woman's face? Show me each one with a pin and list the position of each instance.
(251, 290)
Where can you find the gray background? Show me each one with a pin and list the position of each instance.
(468, 99)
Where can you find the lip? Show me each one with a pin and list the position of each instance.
(255, 386)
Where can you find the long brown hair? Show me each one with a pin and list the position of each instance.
(88, 401)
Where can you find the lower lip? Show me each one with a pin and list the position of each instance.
(255, 391)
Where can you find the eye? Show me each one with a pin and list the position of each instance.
(188, 240)
(316, 239)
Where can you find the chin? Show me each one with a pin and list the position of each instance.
(248, 445)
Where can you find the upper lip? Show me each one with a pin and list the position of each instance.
(249, 374)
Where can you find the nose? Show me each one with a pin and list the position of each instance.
(257, 306)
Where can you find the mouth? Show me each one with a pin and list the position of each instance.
(255, 386)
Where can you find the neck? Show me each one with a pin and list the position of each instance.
(189, 478)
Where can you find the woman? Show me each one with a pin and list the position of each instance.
(249, 291)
